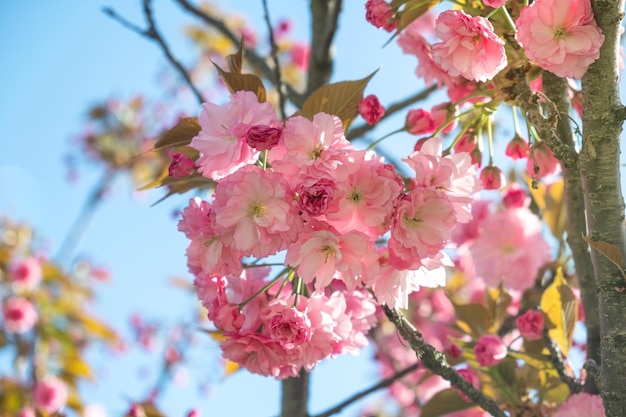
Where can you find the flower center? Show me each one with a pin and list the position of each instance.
(329, 252)
(355, 196)
(412, 221)
(258, 210)
(316, 152)
(560, 33)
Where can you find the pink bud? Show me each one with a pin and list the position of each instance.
(370, 109)
(489, 350)
(379, 13)
(181, 166)
(530, 324)
(467, 142)
(419, 122)
(517, 148)
(263, 137)
(491, 178)
(441, 113)
(50, 394)
(316, 198)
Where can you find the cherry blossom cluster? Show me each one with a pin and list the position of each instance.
(349, 227)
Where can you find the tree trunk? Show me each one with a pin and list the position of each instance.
(600, 173)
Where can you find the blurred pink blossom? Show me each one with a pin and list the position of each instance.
(530, 324)
(581, 405)
(50, 394)
(379, 13)
(19, 315)
(25, 273)
(489, 350)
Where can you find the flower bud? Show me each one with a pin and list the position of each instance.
(263, 137)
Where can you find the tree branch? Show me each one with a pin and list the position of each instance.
(277, 72)
(543, 116)
(381, 384)
(325, 15)
(153, 34)
(557, 361)
(436, 362)
(255, 60)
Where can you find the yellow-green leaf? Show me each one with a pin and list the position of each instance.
(560, 307)
(340, 99)
(537, 361)
(230, 368)
(444, 402)
(412, 10)
(180, 135)
(247, 82)
(557, 394)
(549, 200)
(216, 335)
(97, 328)
(473, 318)
(608, 250)
(76, 367)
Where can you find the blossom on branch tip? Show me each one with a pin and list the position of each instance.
(469, 47)
(517, 148)
(560, 35)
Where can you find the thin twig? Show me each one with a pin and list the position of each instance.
(153, 34)
(557, 361)
(361, 130)
(361, 394)
(277, 72)
(436, 362)
(255, 60)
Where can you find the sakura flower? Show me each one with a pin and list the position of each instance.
(310, 150)
(365, 200)
(421, 226)
(419, 122)
(222, 138)
(560, 35)
(286, 324)
(19, 315)
(324, 254)
(256, 207)
(259, 355)
(489, 350)
(181, 166)
(530, 324)
(50, 394)
(581, 405)
(370, 109)
(492, 178)
(379, 13)
(469, 46)
(25, 273)
(510, 249)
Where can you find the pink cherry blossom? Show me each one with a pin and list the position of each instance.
(310, 150)
(560, 35)
(421, 226)
(541, 161)
(379, 13)
(299, 54)
(286, 324)
(517, 148)
(181, 166)
(222, 138)
(50, 394)
(208, 251)
(419, 122)
(370, 109)
(530, 324)
(489, 350)
(25, 273)
(581, 405)
(492, 178)
(469, 46)
(413, 42)
(259, 355)
(256, 207)
(325, 254)
(365, 200)
(19, 315)
(510, 249)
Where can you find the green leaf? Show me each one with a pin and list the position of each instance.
(473, 318)
(444, 402)
(560, 307)
(235, 81)
(340, 99)
(180, 135)
(537, 361)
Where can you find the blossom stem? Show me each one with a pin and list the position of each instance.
(490, 139)
(514, 110)
(265, 288)
(508, 18)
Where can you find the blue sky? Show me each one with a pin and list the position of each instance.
(60, 58)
